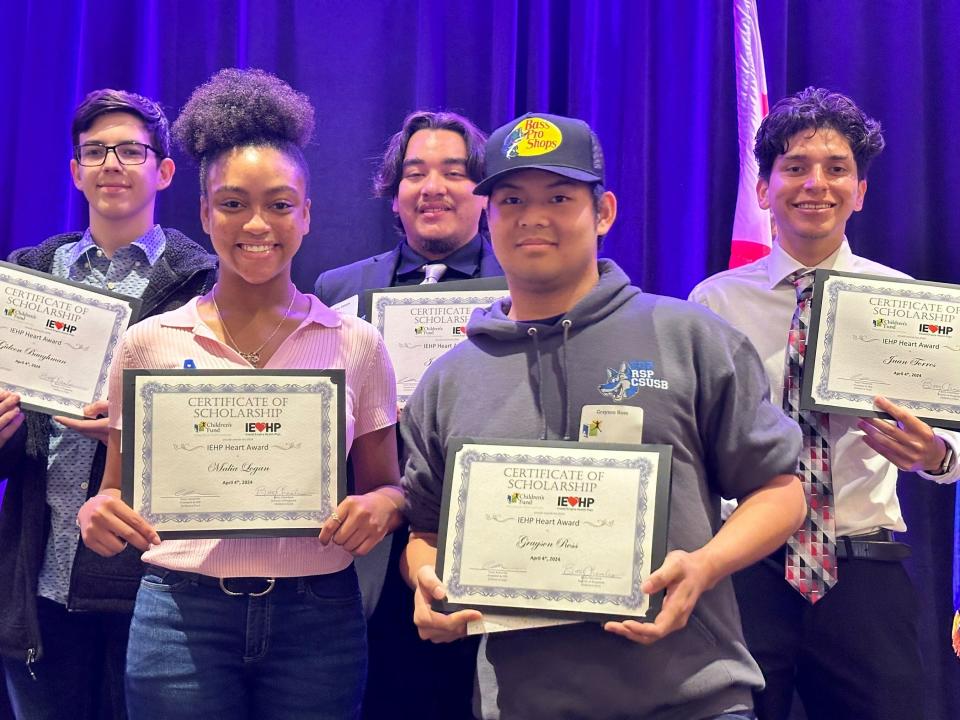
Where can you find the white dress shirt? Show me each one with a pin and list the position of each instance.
(758, 300)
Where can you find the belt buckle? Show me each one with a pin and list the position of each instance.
(271, 583)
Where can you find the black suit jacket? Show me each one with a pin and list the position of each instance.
(377, 272)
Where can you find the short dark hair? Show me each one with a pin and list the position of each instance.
(238, 108)
(386, 181)
(813, 109)
(101, 102)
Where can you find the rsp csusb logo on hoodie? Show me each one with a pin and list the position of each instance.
(627, 380)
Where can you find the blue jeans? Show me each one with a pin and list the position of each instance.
(80, 675)
(295, 653)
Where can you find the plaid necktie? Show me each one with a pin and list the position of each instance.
(811, 566)
(432, 273)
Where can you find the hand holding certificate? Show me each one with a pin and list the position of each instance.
(553, 528)
(885, 336)
(225, 453)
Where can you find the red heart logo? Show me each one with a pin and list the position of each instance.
(58, 325)
(261, 427)
(572, 501)
(934, 328)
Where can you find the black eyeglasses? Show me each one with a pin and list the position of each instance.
(127, 153)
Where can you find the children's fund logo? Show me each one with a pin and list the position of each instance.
(428, 330)
(524, 498)
(517, 498)
(888, 324)
(532, 136)
(209, 426)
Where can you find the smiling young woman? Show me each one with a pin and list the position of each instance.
(256, 212)
(203, 644)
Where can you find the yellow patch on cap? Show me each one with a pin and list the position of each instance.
(532, 136)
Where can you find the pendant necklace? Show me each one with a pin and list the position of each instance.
(251, 357)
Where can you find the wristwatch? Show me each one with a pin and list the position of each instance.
(947, 461)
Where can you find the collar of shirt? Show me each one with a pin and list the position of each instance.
(464, 261)
(152, 243)
(780, 264)
(188, 316)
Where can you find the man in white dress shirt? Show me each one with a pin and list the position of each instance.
(854, 653)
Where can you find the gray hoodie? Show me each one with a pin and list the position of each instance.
(703, 392)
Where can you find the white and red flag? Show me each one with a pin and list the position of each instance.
(751, 225)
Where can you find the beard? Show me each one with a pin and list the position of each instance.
(439, 246)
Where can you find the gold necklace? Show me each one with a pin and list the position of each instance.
(251, 357)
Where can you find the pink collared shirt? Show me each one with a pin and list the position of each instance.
(324, 340)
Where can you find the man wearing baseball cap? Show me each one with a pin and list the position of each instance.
(543, 357)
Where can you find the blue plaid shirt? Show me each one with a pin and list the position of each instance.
(71, 454)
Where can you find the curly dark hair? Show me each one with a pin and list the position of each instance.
(386, 181)
(812, 109)
(237, 108)
(101, 102)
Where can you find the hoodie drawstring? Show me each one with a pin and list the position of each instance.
(566, 324)
(532, 332)
(564, 389)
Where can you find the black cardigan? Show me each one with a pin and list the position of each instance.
(183, 271)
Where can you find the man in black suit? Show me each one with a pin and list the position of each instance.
(428, 172)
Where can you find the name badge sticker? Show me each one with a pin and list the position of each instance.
(350, 306)
(611, 424)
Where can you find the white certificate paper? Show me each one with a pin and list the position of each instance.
(210, 453)
(421, 322)
(553, 527)
(873, 335)
(57, 339)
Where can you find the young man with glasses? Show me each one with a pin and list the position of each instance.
(59, 663)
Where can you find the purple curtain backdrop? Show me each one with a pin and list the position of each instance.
(655, 80)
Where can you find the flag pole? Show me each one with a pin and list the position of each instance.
(752, 234)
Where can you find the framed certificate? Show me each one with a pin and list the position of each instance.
(872, 335)
(221, 453)
(57, 339)
(421, 322)
(553, 528)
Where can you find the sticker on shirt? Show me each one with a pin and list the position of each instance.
(627, 380)
(611, 424)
